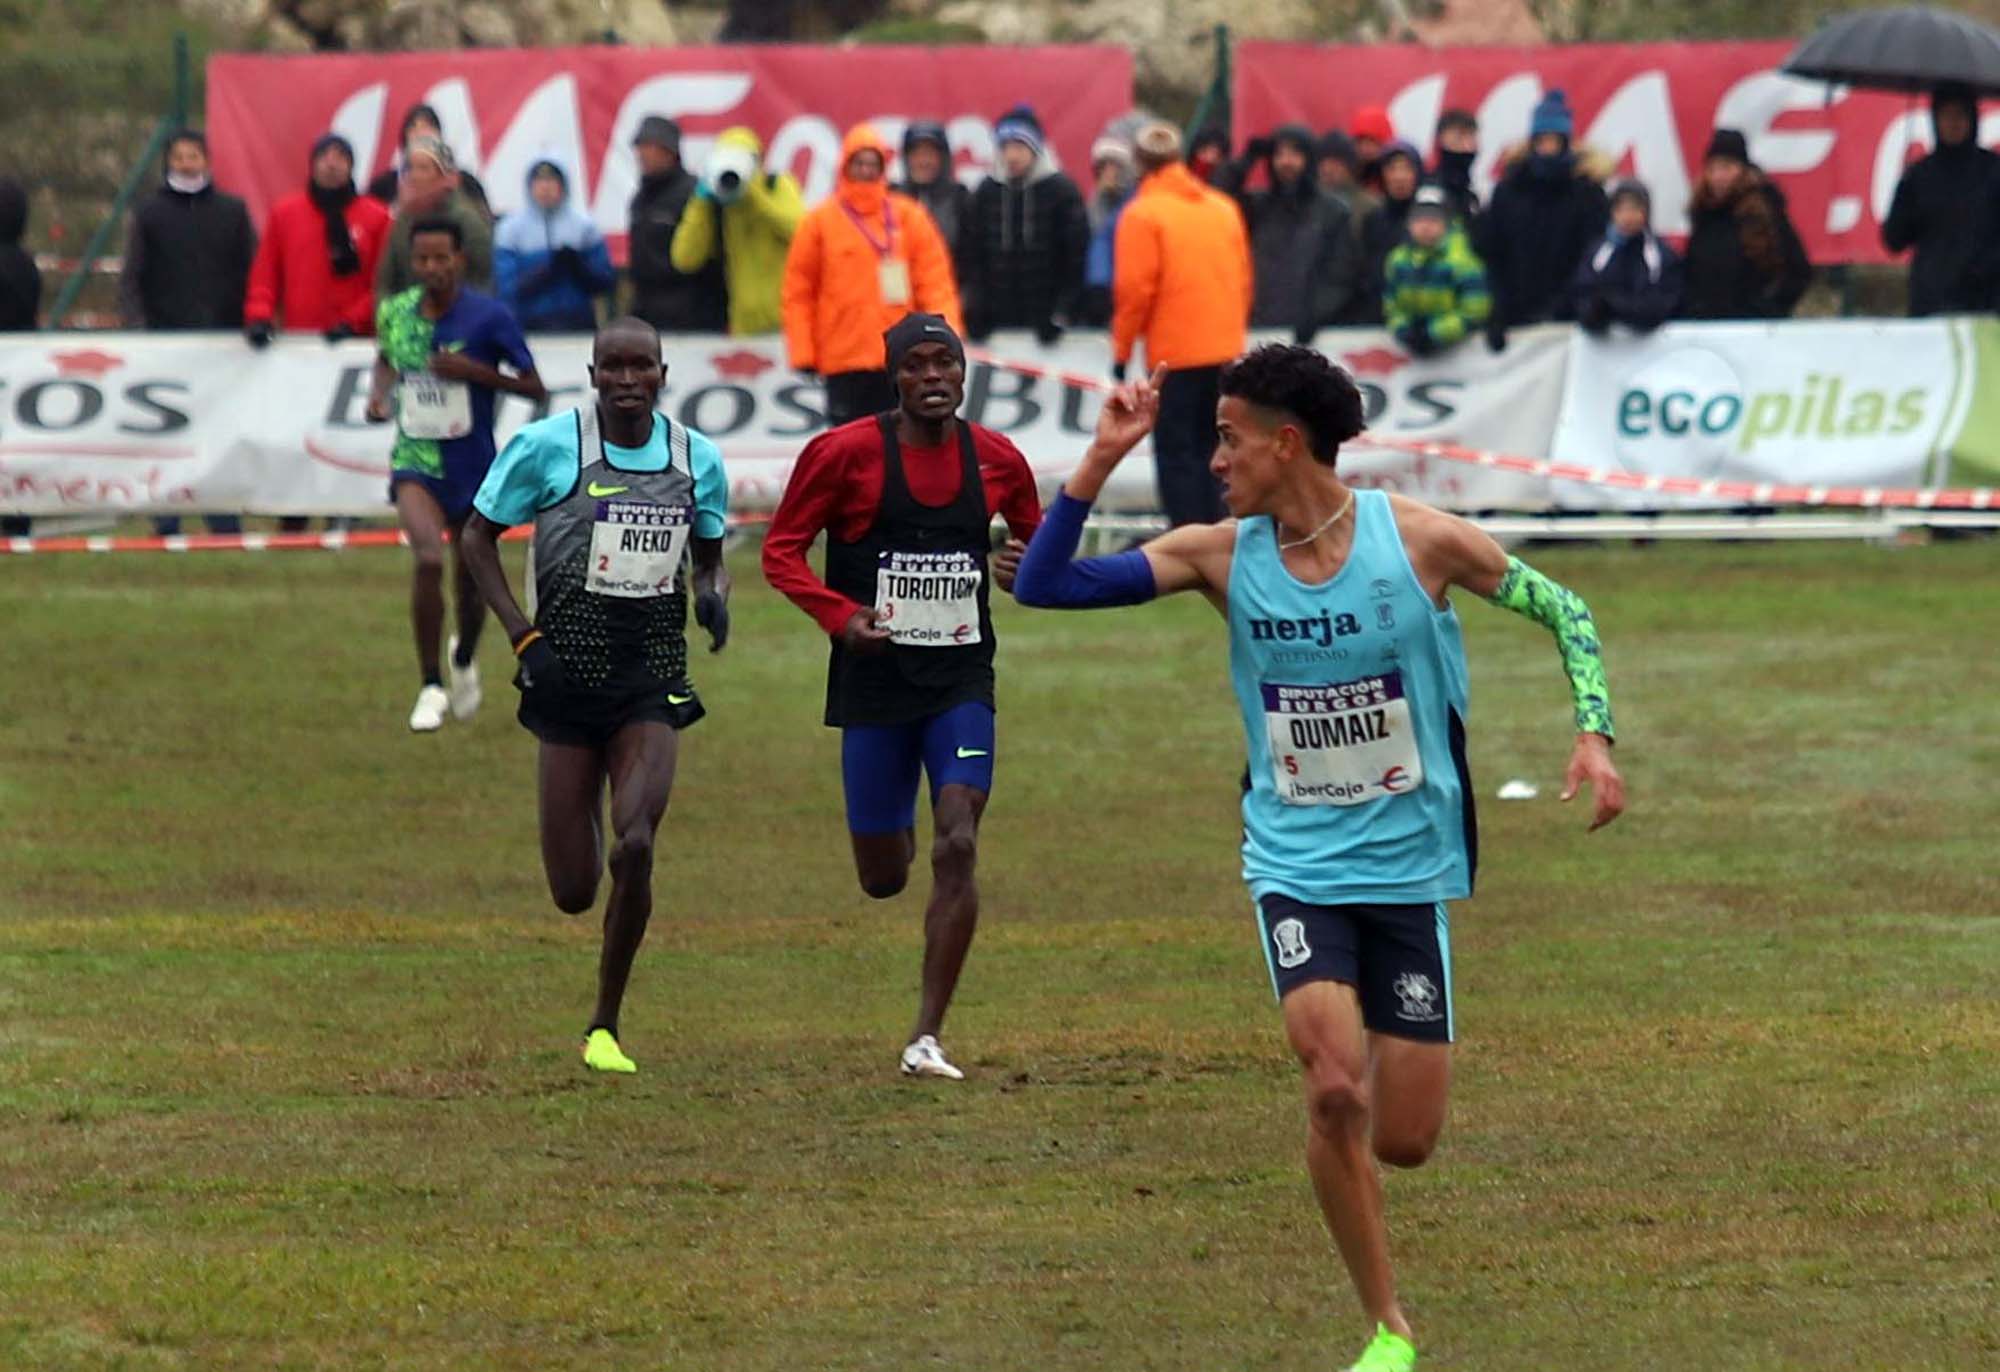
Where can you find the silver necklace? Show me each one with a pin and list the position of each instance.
(1338, 515)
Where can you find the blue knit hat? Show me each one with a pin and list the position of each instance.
(1019, 125)
(1552, 115)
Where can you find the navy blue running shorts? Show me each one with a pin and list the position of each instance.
(1396, 957)
(879, 764)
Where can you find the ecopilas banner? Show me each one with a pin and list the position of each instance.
(1893, 403)
(123, 423)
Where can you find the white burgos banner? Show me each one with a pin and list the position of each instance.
(119, 423)
(1812, 402)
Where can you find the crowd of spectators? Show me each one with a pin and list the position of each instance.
(1342, 228)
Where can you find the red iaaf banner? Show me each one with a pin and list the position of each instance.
(505, 109)
(1650, 107)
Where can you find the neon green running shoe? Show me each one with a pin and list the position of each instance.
(601, 1053)
(1386, 1352)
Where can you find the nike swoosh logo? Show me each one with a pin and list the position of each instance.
(971, 752)
(673, 699)
(599, 492)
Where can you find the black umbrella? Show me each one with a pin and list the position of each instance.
(1914, 49)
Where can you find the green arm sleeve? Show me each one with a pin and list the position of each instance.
(1562, 612)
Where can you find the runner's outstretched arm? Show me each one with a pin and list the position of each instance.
(1483, 567)
(1052, 577)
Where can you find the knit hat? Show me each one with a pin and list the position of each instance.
(659, 131)
(1552, 115)
(1728, 143)
(1629, 189)
(913, 329)
(1371, 121)
(437, 150)
(1019, 125)
(922, 131)
(1111, 149)
(1334, 143)
(1430, 200)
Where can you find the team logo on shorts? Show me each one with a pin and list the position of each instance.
(1419, 997)
(1290, 937)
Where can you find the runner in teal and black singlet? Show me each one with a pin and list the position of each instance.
(1350, 676)
(623, 501)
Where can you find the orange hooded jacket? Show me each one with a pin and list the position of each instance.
(834, 312)
(1181, 274)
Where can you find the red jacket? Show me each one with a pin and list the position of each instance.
(837, 486)
(292, 282)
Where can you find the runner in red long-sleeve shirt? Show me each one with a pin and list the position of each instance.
(906, 500)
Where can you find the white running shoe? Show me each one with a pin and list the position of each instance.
(465, 692)
(923, 1058)
(427, 716)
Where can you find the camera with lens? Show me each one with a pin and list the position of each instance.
(729, 172)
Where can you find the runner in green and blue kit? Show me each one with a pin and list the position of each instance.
(1358, 827)
(623, 500)
(438, 374)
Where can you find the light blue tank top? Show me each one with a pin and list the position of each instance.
(1353, 696)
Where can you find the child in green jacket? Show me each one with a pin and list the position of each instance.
(1434, 286)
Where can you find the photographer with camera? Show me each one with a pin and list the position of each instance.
(757, 213)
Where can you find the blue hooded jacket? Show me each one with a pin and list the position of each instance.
(549, 265)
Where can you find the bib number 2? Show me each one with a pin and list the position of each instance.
(636, 549)
(1346, 743)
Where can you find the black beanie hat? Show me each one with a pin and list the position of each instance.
(1728, 143)
(913, 329)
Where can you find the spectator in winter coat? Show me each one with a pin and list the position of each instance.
(549, 261)
(1338, 167)
(671, 301)
(20, 278)
(1304, 254)
(1744, 259)
(1946, 208)
(1208, 153)
(421, 121)
(861, 260)
(1183, 283)
(929, 180)
(188, 251)
(1631, 278)
(1371, 131)
(187, 264)
(1114, 176)
(430, 190)
(1457, 150)
(1401, 170)
(1547, 212)
(315, 268)
(1020, 258)
(759, 213)
(1434, 289)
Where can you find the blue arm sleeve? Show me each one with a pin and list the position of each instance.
(1051, 580)
(518, 484)
(711, 487)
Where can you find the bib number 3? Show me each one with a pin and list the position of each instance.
(929, 600)
(636, 549)
(1346, 743)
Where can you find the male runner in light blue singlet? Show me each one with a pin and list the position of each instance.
(1358, 820)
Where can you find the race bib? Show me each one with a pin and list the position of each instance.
(1342, 744)
(636, 549)
(894, 275)
(428, 406)
(929, 600)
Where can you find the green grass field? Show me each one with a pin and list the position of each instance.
(288, 1074)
